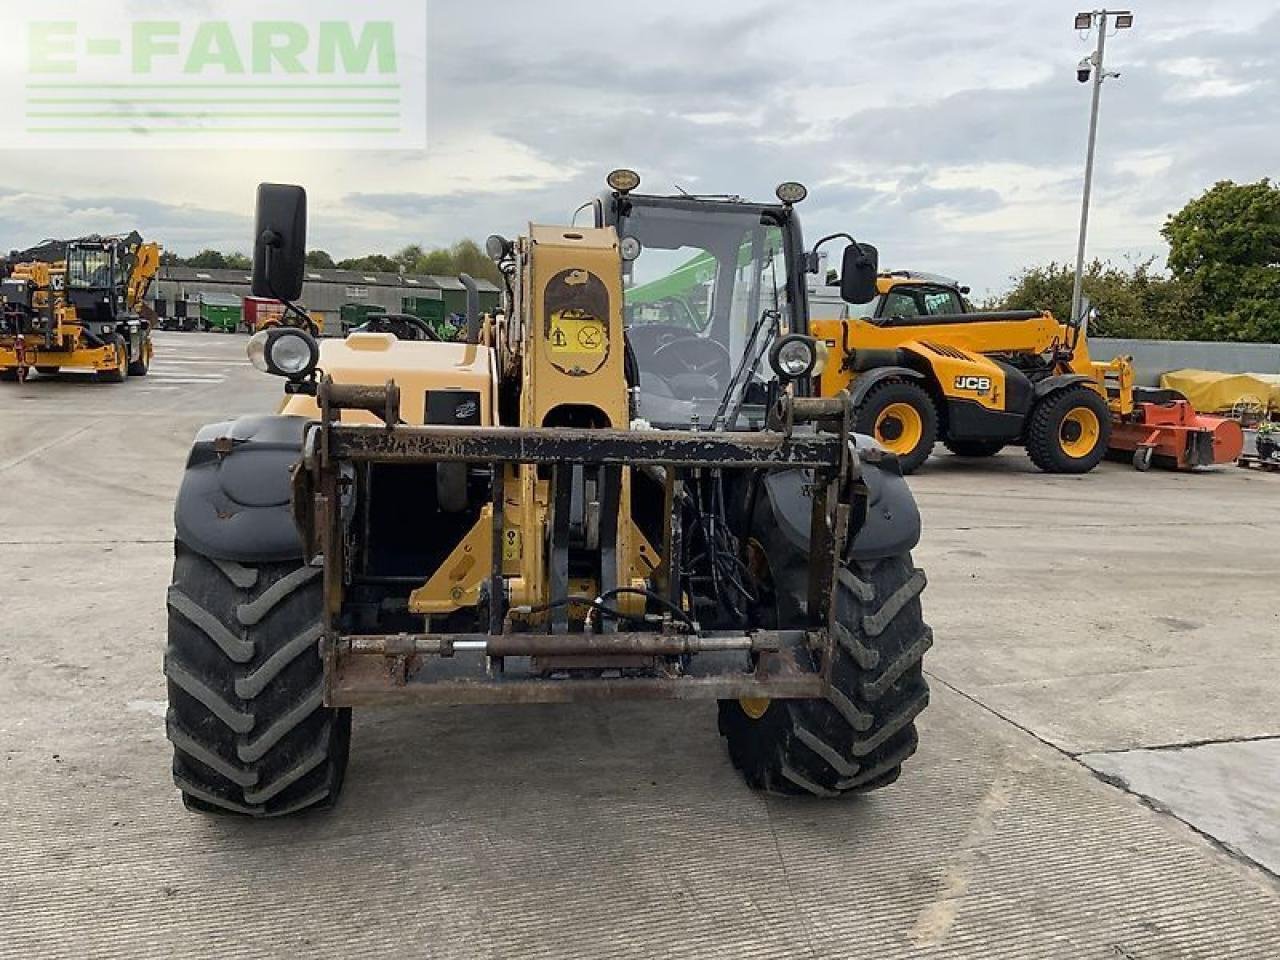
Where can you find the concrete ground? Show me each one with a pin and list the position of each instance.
(1097, 773)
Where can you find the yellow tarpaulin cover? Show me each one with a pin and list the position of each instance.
(1273, 381)
(1212, 392)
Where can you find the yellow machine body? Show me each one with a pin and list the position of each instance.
(984, 373)
(63, 343)
(563, 354)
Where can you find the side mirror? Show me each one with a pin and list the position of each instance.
(858, 273)
(280, 242)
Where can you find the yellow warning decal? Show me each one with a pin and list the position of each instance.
(577, 334)
(512, 545)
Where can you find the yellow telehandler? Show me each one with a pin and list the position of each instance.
(79, 304)
(603, 492)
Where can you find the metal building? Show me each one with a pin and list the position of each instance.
(178, 292)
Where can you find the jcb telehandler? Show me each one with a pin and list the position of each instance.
(587, 499)
(79, 303)
(922, 365)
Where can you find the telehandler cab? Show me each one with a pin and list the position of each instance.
(596, 496)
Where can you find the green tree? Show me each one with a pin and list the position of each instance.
(208, 260)
(438, 263)
(469, 258)
(1133, 300)
(238, 261)
(1225, 244)
(374, 262)
(319, 260)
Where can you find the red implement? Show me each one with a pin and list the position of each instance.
(1173, 435)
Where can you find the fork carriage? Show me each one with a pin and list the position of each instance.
(541, 652)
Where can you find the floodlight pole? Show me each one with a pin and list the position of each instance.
(1099, 74)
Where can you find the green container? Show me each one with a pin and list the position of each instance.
(222, 315)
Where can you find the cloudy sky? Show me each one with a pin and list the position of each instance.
(949, 133)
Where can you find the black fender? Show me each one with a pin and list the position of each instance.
(892, 523)
(864, 383)
(235, 505)
(1052, 384)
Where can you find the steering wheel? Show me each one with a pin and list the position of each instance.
(701, 356)
(402, 326)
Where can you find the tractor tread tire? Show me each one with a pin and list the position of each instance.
(899, 390)
(250, 733)
(140, 366)
(856, 739)
(116, 374)
(973, 448)
(1044, 447)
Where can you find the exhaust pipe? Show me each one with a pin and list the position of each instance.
(473, 307)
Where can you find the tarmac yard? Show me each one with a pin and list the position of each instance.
(1098, 775)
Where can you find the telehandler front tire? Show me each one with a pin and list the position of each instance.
(250, 733)
(1069, 431)
(120, 372)
(856, 739)
(140, 365)
(901, 417)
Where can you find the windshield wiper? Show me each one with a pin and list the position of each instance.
(734, 395)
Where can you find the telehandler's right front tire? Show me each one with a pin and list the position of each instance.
(1069, 430)
(856, 739)
(250, 732)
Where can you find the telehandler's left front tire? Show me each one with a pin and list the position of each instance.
(856, 739)
(250, 732)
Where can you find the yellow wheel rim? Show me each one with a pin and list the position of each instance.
(754, 707)
(899, 428)
(1079, 432)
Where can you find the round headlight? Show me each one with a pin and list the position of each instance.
(290, 353)
(623, 181)
(284, 351)
(497, 247)
(257, 350)
(794, 356)
(629, 248)
(791, 192)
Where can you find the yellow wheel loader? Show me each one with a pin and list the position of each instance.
(921, 365)
(624, 485)
(81, 304)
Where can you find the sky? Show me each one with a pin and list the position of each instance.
(949, 134)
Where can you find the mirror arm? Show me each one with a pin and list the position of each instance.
(271, 240)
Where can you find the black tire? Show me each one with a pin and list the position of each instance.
(138, 367)
(120, 373)
(886, 394)
(47, 371)
(857, 738)
(8, 374)
(1048, 442)
(974, 448)
(249, 731)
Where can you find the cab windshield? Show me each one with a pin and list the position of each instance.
(696, 292)
(88, 268)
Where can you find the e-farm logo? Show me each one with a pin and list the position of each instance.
(262, 74)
